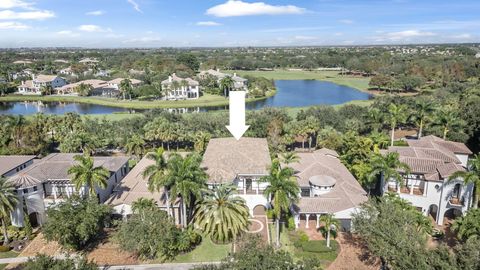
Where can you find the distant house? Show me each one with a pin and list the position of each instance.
(180, 88)
(432, 160)
(89, 61)
(239, 83)
(99, 87)
(26, 73)
(46, 182)
(33, 87)
(116, 83)
(67, 71)
(23, 62)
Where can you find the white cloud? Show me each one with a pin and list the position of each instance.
(26, 15)
(93, 28)
(95, 13)
(6, 4)
(68, 33)
(345, 21)
(462, 36)
(208, 23)
(305, 37)
(13, 26)
(135, 5)
(407, 34)
(143, 40)
(233, 8)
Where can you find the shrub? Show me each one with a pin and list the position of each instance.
(44, 262)
(298, 238)
(291, 223)
(4, 248)
(319, 246)
(270, 214)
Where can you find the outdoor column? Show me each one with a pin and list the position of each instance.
(297, 220)
(318, 221)
(258, 185)
(54, 190)
(244, 186)
(424, 193)
(308, 216)
(411, 188)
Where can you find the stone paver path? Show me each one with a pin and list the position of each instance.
(353, 255)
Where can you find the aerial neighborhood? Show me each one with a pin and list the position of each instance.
(239, 135)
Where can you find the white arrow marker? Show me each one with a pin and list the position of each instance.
(237, 114)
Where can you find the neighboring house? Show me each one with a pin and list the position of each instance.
(10, 165)
(26, 73)
(116, 83)
(432, 160)
(34, 86)
(326, 187)
(67, 72)
(326, 184)
(239, 83)
(89, 61)
(180, 88)
(99, 88)
(133, 187)
(46, 182)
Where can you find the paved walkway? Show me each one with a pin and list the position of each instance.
(165, 266)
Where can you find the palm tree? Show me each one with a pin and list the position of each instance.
(380, 140)
(282, 191)
(447, 119)
(85, 174)
(221, 215)
(226, 84)
(422, 112)
(83, 89)
(201, 140)
(126, 88)
(396, 114)
(135, 146)
(471, 176)
(467, 225)
(143, 205)
(387, 167)
(331, 224)
(46, 90)
(289, 157)
(375, 118)
(187, 179)
(156, 175)
(8, 201)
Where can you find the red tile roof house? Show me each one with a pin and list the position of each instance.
(432, 160)
(45, 182)
(33, 87)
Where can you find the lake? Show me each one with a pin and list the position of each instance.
(290, 93)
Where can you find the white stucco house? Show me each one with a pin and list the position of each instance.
(432, 160)
(177, 88)
(45, 182)
(33, 87)
(239, 83)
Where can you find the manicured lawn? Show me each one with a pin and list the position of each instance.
(207, 251)
(287, 244)
(204, 101)
(360, 83)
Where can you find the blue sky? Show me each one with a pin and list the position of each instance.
(184, 23)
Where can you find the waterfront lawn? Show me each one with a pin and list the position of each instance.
(207, 251)
(360, 83)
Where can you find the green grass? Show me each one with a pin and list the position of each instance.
(205, 101)
(8, 254)
(360, 83)
(207, 251)
(298, 253)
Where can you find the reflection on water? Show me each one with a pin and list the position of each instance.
(290, 93)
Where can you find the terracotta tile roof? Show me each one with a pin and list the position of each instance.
(225, 158)
(27, 84)
(94, 83)
(8, 163)
(22, 180)
(55, 166)
(135, 186)
(45, 78)
(175, 78)
(346, 193)
(119, 81)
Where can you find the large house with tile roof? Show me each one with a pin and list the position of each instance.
(33, 87)
(46, 182)
(178, 88)
(239, 83)
(432, 160)
(10, 165)
(326, 184)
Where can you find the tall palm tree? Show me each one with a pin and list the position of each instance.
(143, 205)
(46, 90)
(135, 146)
(471, 176)
(156, 175)
(8, 201)
(126, 88)
(289, 157)
(85, 174)
(226, 84)
(388, 167)
(187, 179)
(331, 224)
(447, 119)
(201, 140)
(83, 89)
(423, 111)
(282, 191)
(380, 140)
(221, 215)
(396, 114)
(375, 118)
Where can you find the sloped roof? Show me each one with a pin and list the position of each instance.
(8, 163)
(119, 81)
(174, 78)
(45, 78)
(22, 180)
(347, 192)
(55, 166)
(225, 158)
(135, 186)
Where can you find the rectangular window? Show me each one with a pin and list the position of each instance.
(35, 188)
